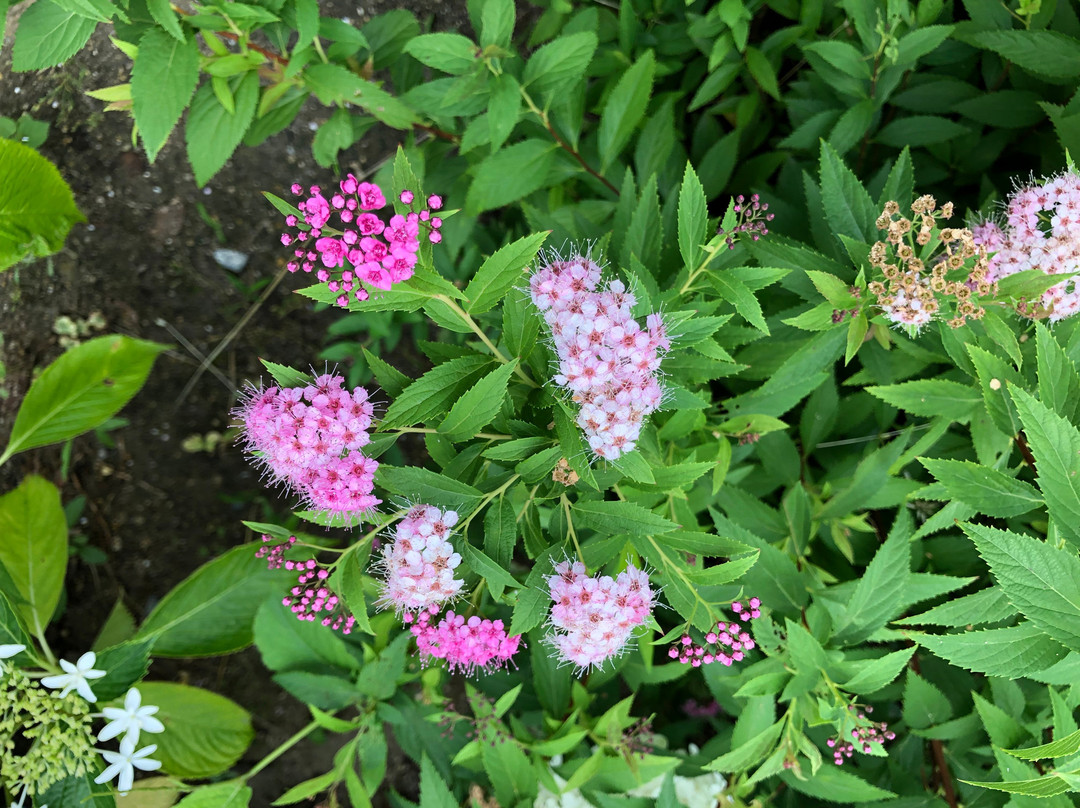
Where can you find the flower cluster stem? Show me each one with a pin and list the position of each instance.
(475, 328)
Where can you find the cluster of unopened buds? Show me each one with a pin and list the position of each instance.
(917, 284)
(364, 247)
(752, 219)
(726, 644)
(311, 599)
(866, 732)
(469, 645)
(309, 438)
(1042, 232)
(607, 362)
(418, 564)
(274, 553)
(593, 618)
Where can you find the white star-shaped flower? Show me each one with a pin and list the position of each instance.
(125, 762)
(130, 720)
(76, 676)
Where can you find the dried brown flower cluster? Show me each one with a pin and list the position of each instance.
(927, 267)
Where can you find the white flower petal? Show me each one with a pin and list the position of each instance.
(8, 651)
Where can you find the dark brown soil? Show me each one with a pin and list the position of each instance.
(145, 261)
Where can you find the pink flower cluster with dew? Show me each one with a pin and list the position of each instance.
(418, 564)
(1041, 231)
(751, 219)
(312, 600)
(469, 645)
(363, 247)
(865, 733)
(607, 362)
(593, 618)
(727, 644)
(310, 439)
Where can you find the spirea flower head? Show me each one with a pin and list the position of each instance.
(418, 563)
(312, 599)
(309, 438)
(751, 218)
(607, 363)
(726, 644)
(593, 618)
(363, 247)
(1042, 232)
(472, 645)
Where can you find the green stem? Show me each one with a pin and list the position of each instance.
(469, 321)
(485, 501)
(282, 749)
(710, 253)
(420, 430)
(570, 527)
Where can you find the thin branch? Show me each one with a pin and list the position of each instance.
(941, 765)
(1025, 452)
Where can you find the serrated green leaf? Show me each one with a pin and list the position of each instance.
(479, 405)
(1069, 745)
(163, 80)
(988, 490)
(873, 674)
(625, 107)
(557, 66)
(985, 606)
(48, 35)
(739, 295)
(212, 133)
(431, 394)
(611, 518)
(501, 272)
(833, 784)
(1059, 382)
(424, 485)
(693, 218)
(34, 549)
(1011, 653)
(508, 175)
(849, 209)
(451, 53)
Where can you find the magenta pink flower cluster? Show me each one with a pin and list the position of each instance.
(727, 644)
(419, 563)
(1042, 232)
(379, 253)
(607, 362)
(310, 439)
(469, 646)
(312, 600)
(865, 733)
(593, 618)
(274, 553)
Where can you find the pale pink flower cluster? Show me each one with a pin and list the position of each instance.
(311, 599)
(419, 563)
(469, 646)
(726, 644)
(1042, 231)
(593, 618)
(366, 248)
(607, 362)
(310, 439)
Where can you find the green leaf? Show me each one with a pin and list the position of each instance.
(1049, 786)
(916, 44)
(1069, 745)
(510, 174)
(12, 631)
(924, 704)
(504, 108)
(624, 108)
(1056, 445)
(431, 394)
(450, 53)
(125, 665)
(213, 133)
(612, 518)
(390, 379)
(36, 206)
(750, 753)
(738, 294)
(849, 209)
(81, 390)
(556, 67)
(693, 218)
(204, 733)
(479, 406)
(497, 578)
(501, 272)
(424, 485)
(351, 584)
(899, 185)
(762, 71)
(287, 644)
(985, 606)
(873, 674)
(836, 785)
(1041, 581)
(433, 791)
(308, 788)
(1059, 383)
(844, 56)
(1047, 53)
(988, 490)
(212, 611)
(233, 794)
(993, 372)
(48, 35)
(34, 548)
(500, 531)
(919, 130)
(286, 376)
(78, 790)
(1011, 653)
(334, 136)
(163, 80)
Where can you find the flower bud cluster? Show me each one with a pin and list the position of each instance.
(274, 553)
(366, 248)
(1042, 231)
(310, 439)
(752, 220)
(419, 563)
(727, 644)
(593, 618)
(469, 646)
(607, 362)
(865, 732)
(311, 599)
(937, 268)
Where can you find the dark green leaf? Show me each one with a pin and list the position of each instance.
(501, 272)
(34, 549)
(213, 133)
(163, 79)
(624, 108)
(510, 174)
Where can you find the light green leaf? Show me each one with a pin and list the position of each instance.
(479, 405)
(233, 794)
(501, 272)
(433, 791)
(1048, 53)
(424, 485)
(212, 133)
(497, 578)
(557, 66)
(204, 733)
(836, 785)
(48, 35)
(848, 207)
(510, 174)
(872, 675)
(1011, 653)
(12, 631)
(612, 518)
(1069, 745)
(34, 548)
(287, 644)
(693, 218)
(1059, 383)
(450, 53)
(988, 490)
(430, 395)
(163, 80)
(985, 606)
(738, 294)
(625, 108)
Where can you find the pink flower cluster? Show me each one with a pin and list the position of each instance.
(419, 563)
(593, 618)
(726, 645)
(607, 362)
(468, 645)
(310, 439)
(751, 219)
(379, 253)
(274, 553)
(865, 733)
(312, 600)
(1042, 231)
